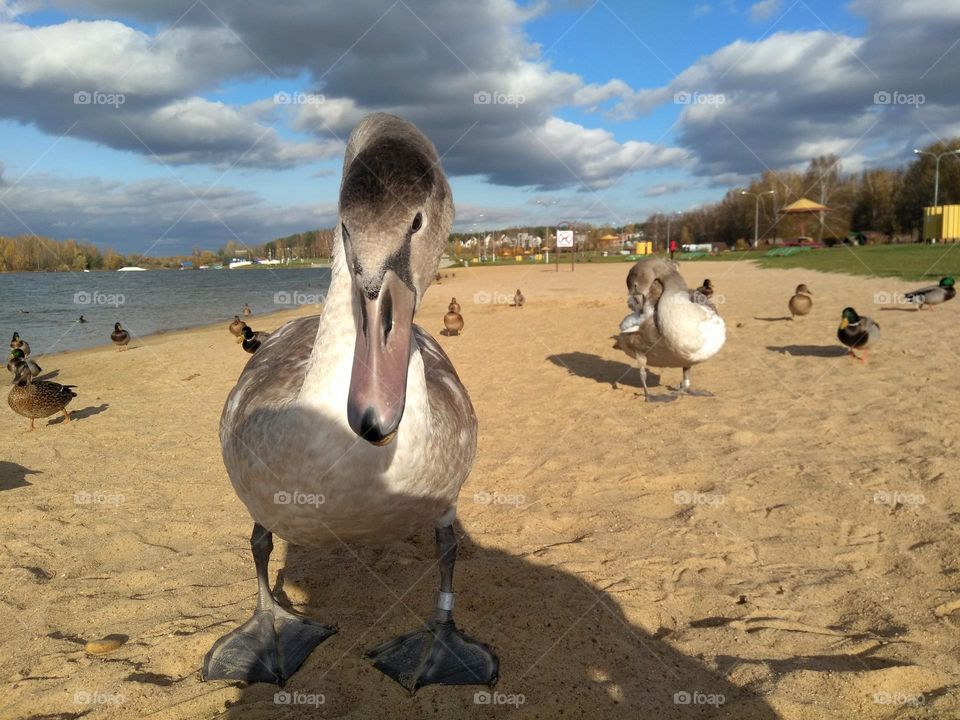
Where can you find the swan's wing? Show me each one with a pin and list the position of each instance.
(274, 374)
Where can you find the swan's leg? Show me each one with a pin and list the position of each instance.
(685, 388)
(272, 645)
(647, 397)
(438, 653)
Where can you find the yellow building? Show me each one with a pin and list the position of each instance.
(941, 222)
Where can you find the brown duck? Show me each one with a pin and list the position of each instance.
(801, 303)
(38, 398)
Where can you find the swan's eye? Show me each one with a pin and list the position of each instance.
(417, 223)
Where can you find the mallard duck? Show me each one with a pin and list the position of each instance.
(454, 306)
(247, 312)
(934, 294)
(17, 358)
(17, 344)
(252, 339)
(120, 337)
(668, 326)
(236, 328)
(352, 425)
(38, 398)
(857, 331)
(453, 322)
(801, 303)
(518, 299)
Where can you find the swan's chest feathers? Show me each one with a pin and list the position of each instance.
(695, 332)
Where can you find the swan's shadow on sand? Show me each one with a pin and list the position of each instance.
(608, 372)
(809, 350)
(565, 646)
(13, 475)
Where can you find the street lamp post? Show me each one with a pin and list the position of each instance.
(936, 174)
(756, 214)
(546, 231)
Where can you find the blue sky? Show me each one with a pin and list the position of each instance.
(199, 152)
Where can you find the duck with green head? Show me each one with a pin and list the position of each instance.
(38, 398)
(17, 344)
(120, 337)
(252, 339)
(857, 332)
(18, 359)
(933, 295)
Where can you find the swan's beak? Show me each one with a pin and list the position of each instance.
(378, 382)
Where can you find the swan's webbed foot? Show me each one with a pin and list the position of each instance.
(438, 654)
(272, 645)
(685, 388)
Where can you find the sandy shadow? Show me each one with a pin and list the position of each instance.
(809, 350)
(14, 475)
(565, 647)
(899, 309)
(774, 319)
(602, 370)
(81, 413)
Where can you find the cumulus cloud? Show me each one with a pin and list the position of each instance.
(161, 214)
(463, 71)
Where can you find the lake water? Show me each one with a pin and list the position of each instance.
(144, 302)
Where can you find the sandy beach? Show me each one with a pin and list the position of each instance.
(785, 549)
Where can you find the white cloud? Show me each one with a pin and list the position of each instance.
(764, 10)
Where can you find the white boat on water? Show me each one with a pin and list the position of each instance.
(131, 268)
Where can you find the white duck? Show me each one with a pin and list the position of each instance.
(352, 426)
(668, 326)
